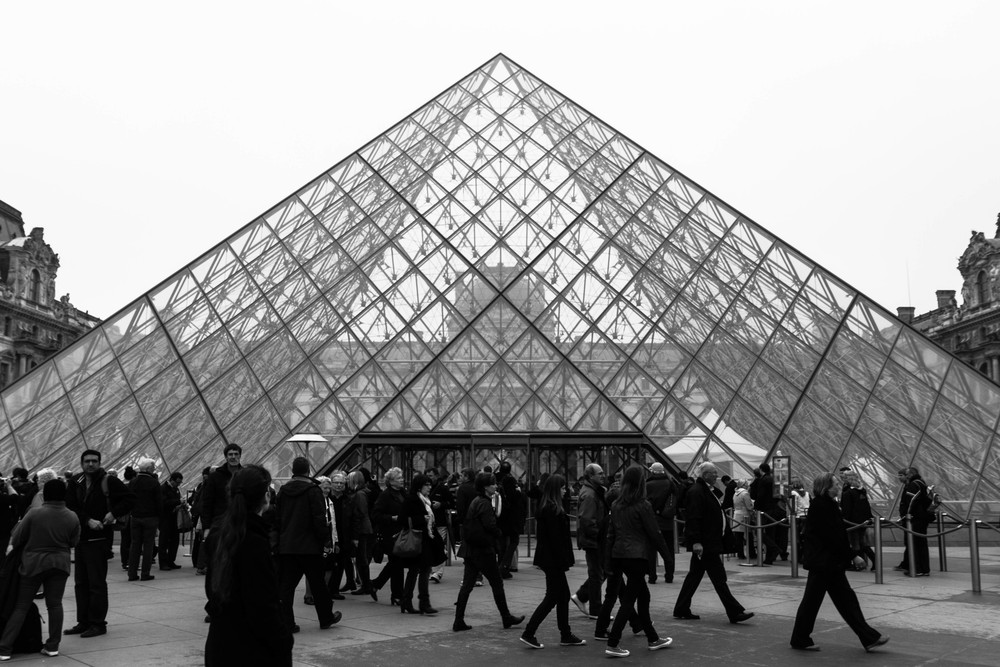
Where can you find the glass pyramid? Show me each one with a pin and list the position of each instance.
(503, 261)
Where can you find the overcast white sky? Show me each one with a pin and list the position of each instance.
(864, 134)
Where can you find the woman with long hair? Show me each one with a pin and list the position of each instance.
(479, 549)
(247, 626)
(632, 535)
(360, 530)
(418, 514)
(553, 556)
(826, 555)
(387, 515)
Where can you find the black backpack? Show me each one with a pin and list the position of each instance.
(29, 640)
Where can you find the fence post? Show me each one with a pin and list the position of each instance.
(977, 586)
(878, 550)
(942, 552)
(911, 560)
(759, 535)
(793, 538)
(676, 546)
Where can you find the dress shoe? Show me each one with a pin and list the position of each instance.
(361, 591)
(742, 616)
(687, 616)
(332, 622)
(346, 587)
(374, 593)
(337, 596)
(147, 577)
(459, 626)
(881, 641)
(94, 631)
(76, 629)
(506, 575)
(799, 647)
(428, 611)
(133, 578)
(511, 621)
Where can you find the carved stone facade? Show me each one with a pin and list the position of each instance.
(33, 323)
(970, 330)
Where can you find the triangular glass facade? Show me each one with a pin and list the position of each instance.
(503, 261)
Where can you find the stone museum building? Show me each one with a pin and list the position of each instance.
(504, 276)
(35, 323)
(971, 331)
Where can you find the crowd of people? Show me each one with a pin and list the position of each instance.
(255, 543)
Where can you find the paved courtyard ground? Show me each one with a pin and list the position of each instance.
(934, 620)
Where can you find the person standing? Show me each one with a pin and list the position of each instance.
(592, 524)
(247, 627)
(145, 520)
(663, 497)
(9, 502)
(360, 532)
(856, 509)
(303, 533)
(98, 500)
(170, 499)
(632, 534)
(704, 528)
(913, 507)
(762, 492)
(386, 516)
(215, 500)
(479, 550)
(47, 533)
(553, 556)
(198, 558)
(442, 501)
(827, 553)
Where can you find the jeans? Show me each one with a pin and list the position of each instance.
(556, 596)
(634, 601)
(590, 591)
(53, 582)
(143, 540)
(90, 582)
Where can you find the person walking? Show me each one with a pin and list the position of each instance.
(47, 533)
(632, 534)
(704, 529)
(479, 550)
(663, 497)
(360, 532)
(827, 553)
(553, 556)
(247, 627)
(386, 515)
(592, 523)
(98, 501)
(300, 523)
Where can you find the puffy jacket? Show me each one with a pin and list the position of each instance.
(592, 516)
(633, 532)
(300, 518)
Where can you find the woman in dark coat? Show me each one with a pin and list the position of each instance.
(418, 515)
(479, 549)
(386, 516)
(247, 626)
(553, 556)
(827, 552)
(856, 508)
(360, 531)
(633, 534)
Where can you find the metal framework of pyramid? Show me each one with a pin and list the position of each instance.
(500, 261)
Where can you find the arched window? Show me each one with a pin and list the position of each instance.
(984, 369)
(36, 286)
(983, 288)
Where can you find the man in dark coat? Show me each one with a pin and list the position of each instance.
(762, 493)
(661, 492)
(170, 496)
(98, 500)
(214, 499)
(303, 532)
(914, 504)
(592, 525)
(145, 520)
(442, 501)
(704, 527)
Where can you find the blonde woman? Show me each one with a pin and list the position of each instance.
(386, 516)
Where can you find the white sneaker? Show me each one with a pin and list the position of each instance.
(49, 652)
(437, 577)
(616, 652)
(580, 605)
(662, 642)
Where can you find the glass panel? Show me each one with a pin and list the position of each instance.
(260, 426)
(130, 327)
(905, 394)
(232, 394)
(36, 392)
(299, 394)
(922, 358)
(769, 394)
(186, 434)
(161, 398)
(888, 433)
(972, 392)
(818, 434)
(838, 394)
(271, 361)
(963, 435)
(724, 356)
(116, 433)
(212, 358)
(147, 358)
(702, 394)
(93, 398)
(85, 358)
(47, 431)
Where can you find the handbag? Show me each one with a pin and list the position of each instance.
(408, 542)
(184, 521)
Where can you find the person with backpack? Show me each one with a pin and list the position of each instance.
(47, 534)
(662, 494)
(914, 507)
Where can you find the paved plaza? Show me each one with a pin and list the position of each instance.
(931, 620)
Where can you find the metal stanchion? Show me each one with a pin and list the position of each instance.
(977, 586)
(677, 538)
(878, 550)
(448, 544)
(911, 560)
(942, 552)
(793, 538)
(759, 534)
